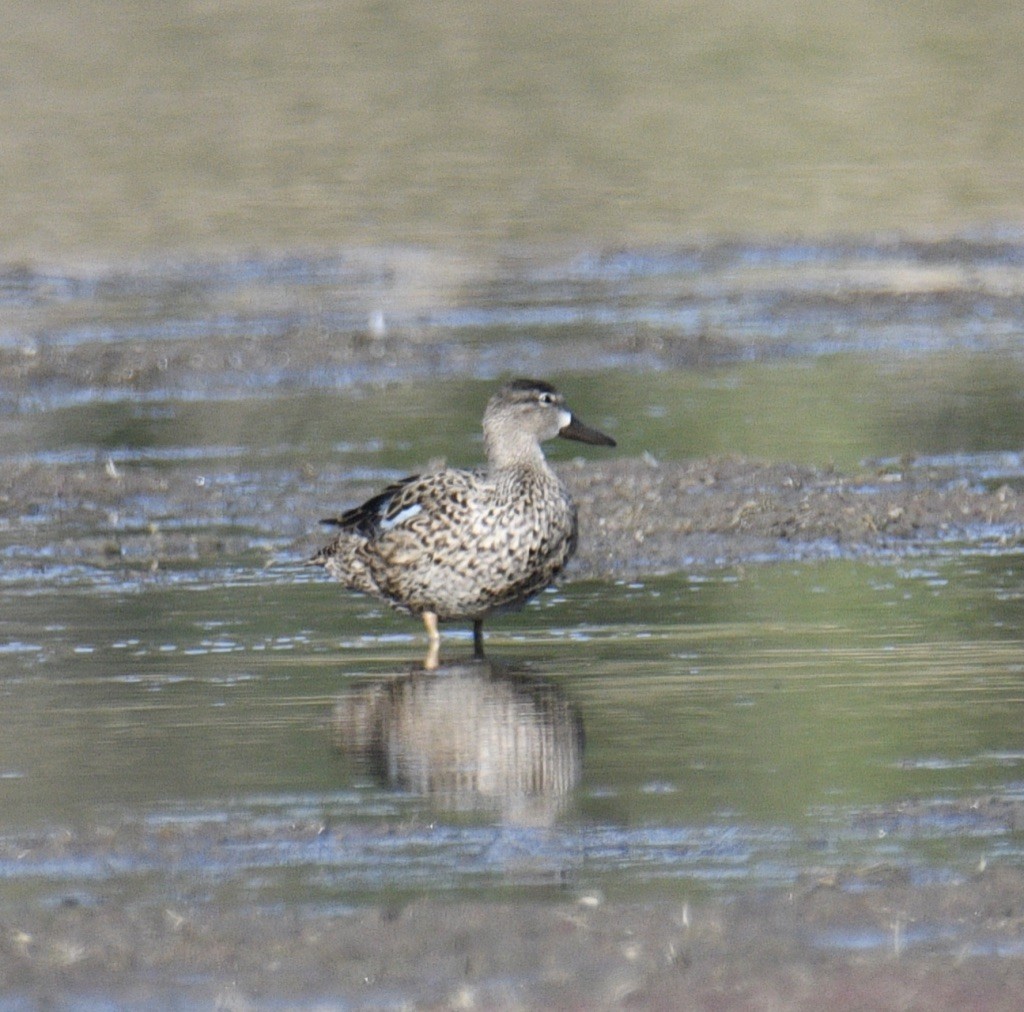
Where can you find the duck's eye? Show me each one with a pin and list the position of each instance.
(546, 398)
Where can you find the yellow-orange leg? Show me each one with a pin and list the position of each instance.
(430, 662)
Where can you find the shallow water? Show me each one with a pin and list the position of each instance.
(962, 403)
(814, 354)
(679, 734)
(229, 726)
(263, 249)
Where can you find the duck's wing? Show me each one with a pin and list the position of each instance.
(380, 513)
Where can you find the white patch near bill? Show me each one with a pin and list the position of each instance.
(564, 418)
(410, 511)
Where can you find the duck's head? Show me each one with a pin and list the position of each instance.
(525, 413)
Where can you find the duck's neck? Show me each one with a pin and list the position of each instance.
(512, 451)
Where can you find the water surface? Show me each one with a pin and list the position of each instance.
(221, 724)
(729, 730)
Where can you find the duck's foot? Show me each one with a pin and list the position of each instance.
(433, 658)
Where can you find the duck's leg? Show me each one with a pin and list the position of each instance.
(430, 662)
(478, 639)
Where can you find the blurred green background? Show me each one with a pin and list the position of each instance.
(142, 128)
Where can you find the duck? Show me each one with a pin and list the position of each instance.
(458, 545)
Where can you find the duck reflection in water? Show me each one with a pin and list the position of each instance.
(460, 545)
(471, 737)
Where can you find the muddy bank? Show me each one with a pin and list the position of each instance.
(865, 939)
(643, 516)
(637, 516)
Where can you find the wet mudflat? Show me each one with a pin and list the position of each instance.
(763, 746)
(755, 952)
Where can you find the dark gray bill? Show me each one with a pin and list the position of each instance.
(584, 434)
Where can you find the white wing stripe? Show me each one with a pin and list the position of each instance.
(410, 511)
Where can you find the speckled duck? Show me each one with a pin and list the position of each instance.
(453, 544)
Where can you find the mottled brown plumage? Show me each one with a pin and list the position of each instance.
(454, 544)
